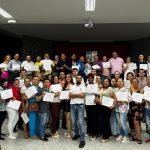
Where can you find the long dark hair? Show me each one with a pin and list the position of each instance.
(65, 85)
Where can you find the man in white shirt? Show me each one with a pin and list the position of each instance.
(77, 96)
(28, 65)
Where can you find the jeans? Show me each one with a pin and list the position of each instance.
(77, 118)
(33, 123)
(122, 118)
(42, 117)
(147, 115)
(114, 124)
(13, 117)
(2, 118)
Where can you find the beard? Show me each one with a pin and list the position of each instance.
(78, 82)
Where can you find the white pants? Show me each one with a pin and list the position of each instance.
(13, 117)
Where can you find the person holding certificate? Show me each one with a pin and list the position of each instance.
(43, 111)
(136, 113)
(146, 92)
(105, 112)
(91, 108)
(128, 80)
(55, 106)
(13, 114)
(142, 78)
(33, 108)
(121, 110)
(66, 105)
(106, 68)
(27, 84)
(3, 113)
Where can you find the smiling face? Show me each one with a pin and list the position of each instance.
(120, 83)
(135, 83)
(106, 83)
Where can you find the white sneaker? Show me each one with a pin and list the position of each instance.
(125, 140)
(12, 137)
(119, 138)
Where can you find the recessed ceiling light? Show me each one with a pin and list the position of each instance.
(5, 14)
(90, 5)
(12, 21)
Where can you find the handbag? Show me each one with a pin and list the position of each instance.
(33, 107)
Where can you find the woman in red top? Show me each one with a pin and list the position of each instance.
(13, 115)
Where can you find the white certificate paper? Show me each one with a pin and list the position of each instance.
(15, 67)
(25, 118)
(144, 66)
(146, 95)
(14, 104)
(77, 67)
(107, 101)
(30, 91)
(96, 67)
(92, 89)
(89, 99)
(137, 97)
(47, 65)
(6, 94)
(28, 67)
(48, 97)
(56, 88)
(106, 65)
(64, 95)
(132, 66)
(35, 68)
(122, 96)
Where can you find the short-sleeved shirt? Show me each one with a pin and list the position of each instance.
(77, 89)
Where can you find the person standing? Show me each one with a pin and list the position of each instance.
(77, 94)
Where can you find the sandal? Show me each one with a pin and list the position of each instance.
(133, 139)
(139, 141)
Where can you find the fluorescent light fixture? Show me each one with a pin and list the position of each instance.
(90, 5)
(11, 21)
(5, 14)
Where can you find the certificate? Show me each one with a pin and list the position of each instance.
(35, 68)
(89, 99)
(96, 67)
(30, 91)
(25, 118)
(144, 66)
(137, 97)
(16, 67)
(14, 104)
(47, 65)
(56, 88)
(77, 67)
(92, 89)
(28, 67)
(48, 97)
(122, 96)
(6, 94)
(107, 101)
(106, 65)
(132, 66)
(146, 95)
(64, 95)
(2, 65)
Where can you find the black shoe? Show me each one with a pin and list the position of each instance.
(47, 135)
(3, 134)
(15, 130)
(44, 138)
(75, 137)
(20, 128)
(82, 144)
(2, 139)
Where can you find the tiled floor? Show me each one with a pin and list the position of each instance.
(66, 144)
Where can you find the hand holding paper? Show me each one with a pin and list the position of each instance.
(137, 97)
(107, 101)
(48, 97)
(14, 104)
(64, 95)
(6, 94)
(30, 91)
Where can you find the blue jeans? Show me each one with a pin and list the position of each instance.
(42, 117)
(147, 116)
(33, 123)
(114, 124)
(77, 118)
(122, 118)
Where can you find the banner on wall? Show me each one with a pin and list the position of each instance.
(91, 54)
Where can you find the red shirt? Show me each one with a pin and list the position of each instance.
(16, 92)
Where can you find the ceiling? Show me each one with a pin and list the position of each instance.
(59, 20)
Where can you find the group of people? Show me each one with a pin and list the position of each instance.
(84, 111)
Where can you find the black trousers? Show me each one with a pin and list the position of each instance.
(104, 115)
(2, 118)
(92, 119)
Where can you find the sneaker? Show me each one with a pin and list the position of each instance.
(119, 138)
(82, 144)
(55, 136)
(44, 138)
(105, 140)
(125, 140)
(68, 135)
(93, 138)
(12, 137)
(15, 134)
(1, 139)
(75, 137)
